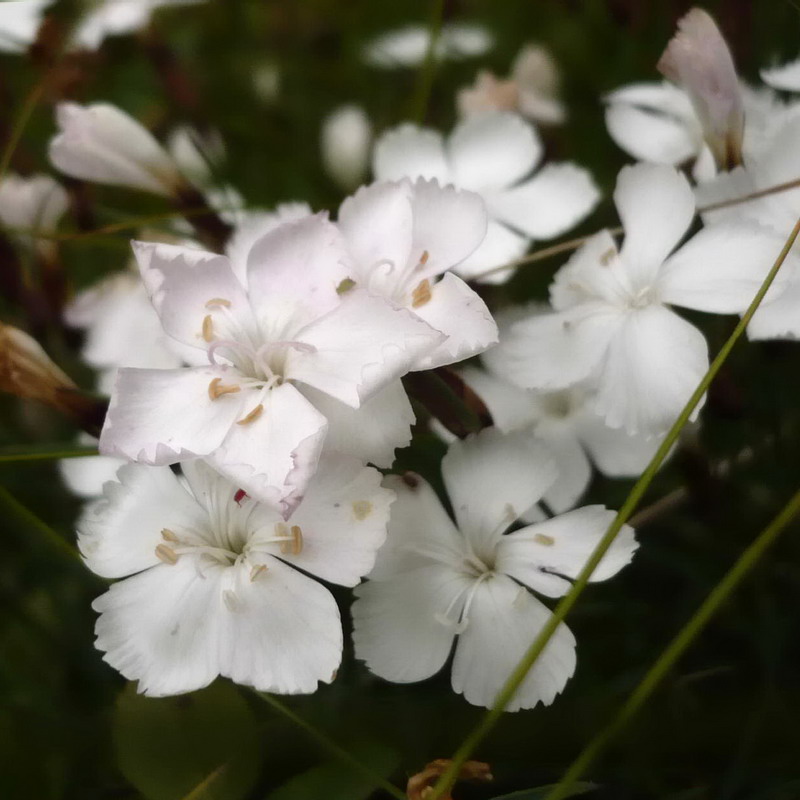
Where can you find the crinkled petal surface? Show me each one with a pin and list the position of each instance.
(504, 619)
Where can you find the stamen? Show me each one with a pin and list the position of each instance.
(218, 301)
(239, 496)
(208, 328)
(345, 285)
(423, 259)
(166, 554)
(252, 416)
(541, 538)
(422, 294)
(258, 569)
(216, 389)
(293, 545)
(169, 535)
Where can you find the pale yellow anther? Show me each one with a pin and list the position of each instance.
(166, 554)
(422, 294)
(345, 285)
(208, 328)
(362, 509)
(168, 535)
(608, 256)
(423, 259)
(252, 416)
(258, 569)
(541, 538)
(294, 545)
(218, 301)
(216, 388)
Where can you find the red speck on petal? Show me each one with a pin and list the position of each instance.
(239, 496)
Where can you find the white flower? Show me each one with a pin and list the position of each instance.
(493, 154)
(288, 325)
(613, 324)
(102, 143)
(408, 46)
(777, 162)
(402, 237)
(19, 23)
(85, 476)
(698, 59)
(785, 77)
(531, 89)
(435, 580)
(36, 204)
(116, 17)
(214, 586)
(571, 431)
(345, 141)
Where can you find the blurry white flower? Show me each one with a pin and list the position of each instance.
(531, 88)
(573, 433)
(493, 154)
(345, 141)
(613, 324)
(196, 154)
(698, 59)
(102, 143)
(36, 204)
(19, 23)
(408, 46)
(116, 17)
(435, 580)
(85, 476)
(213, 583)
(289, 325)
(785, 77)
(401, 237)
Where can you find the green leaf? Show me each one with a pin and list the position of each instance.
(203, 745)
(541, 792)
(334, 780)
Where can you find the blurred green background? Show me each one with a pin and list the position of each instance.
(725, 723)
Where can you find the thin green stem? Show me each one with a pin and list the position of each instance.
(20, 123)
(677, 647)
(628, 507)
(51, 452)
(422, 93)
(27, 517)
(332, 747)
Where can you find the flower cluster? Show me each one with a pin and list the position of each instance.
(263, 364)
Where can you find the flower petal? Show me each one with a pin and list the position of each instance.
(184, 284)
(785, 77)
(503, 621)
(371, 432)
(118, 533)
(162, 627)
(656, 206)
(501, 246)
(160, 416)
(459, 313)
(398, 629)
(722, 267)
(492, 478)
(540, 554)
(282, 633)
(552, 202)
(360, 347)
(572, 466)
(511, 407)
(343, 520)
(273, 456)
(778, 319)
(655, 361)
(292, 274)
(409, 151)
(492, 150)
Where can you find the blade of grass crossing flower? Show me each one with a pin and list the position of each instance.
(640, 487)
(422, 92)
(47, 452)
(677, 647)
(331, 746)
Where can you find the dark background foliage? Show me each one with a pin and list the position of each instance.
(724, 725)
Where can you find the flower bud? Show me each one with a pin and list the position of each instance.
(698, 59)
(345, 140)
(103, 144)
(31, 204)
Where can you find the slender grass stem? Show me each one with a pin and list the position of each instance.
(677, 647)
(11, 455)
(640, 487)
(422, 92)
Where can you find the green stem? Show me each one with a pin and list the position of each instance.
(640, 487)
(27, 517)
(20, 123)
(677, 647)
(332, 747)
(10, 455)
(422, 92)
